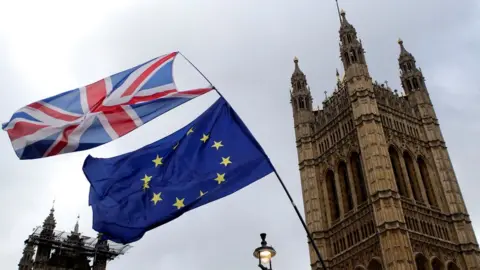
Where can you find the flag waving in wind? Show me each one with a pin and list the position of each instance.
(98, 113)
(210, 158)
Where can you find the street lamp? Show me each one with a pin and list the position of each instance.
(264, 254)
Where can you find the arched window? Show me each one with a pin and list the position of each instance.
(358, 178)
(415, 83)
(347, 59)
(437, 264)
(452, 266)
(332, 195)
(345, 187)
(353, 54)
(360, 56)
(409, 85)
(421, 262)
(427, 182)
(375, 265)
(302, 103)
(417, 195)
(397, 172)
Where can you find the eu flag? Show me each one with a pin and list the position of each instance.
(212, 157)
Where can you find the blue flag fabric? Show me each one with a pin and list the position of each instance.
(212, 157)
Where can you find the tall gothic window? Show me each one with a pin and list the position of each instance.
(437, 264)
(353, 55)
(409, 85)
(358, 178)
(360, 56)
(397, 172)
(415, 83)
(345, 187)
(421, 262)
(347, 59)
(302, 103)
(427, 182)
(332, 195)
(417, 195)
(374, 265)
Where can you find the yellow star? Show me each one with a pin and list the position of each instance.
(205, 138)
(179, 203)
(146, 179)
(202, 193)
(190, 131)
(217, 145)
(225, 161)
(158, 161)
(156, 198)
(176, 145)
(220, 178)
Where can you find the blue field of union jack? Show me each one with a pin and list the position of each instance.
(98, 113)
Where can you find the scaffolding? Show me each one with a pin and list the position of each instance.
(89, 246)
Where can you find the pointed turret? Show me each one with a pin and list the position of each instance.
(75, 229)
(301, 100)
(351, 49)
(301, 97)
(44, 250)
(411, 76)
(49, 223)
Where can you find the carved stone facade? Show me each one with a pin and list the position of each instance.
(378, 185)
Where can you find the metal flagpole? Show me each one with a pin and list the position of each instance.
(309, 235)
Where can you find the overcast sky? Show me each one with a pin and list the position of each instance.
(246, 49)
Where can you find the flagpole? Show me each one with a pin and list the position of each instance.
(309, 235)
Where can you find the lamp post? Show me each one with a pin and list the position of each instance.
(264, 254)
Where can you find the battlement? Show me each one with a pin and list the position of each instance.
(392, 99)
(333, 106)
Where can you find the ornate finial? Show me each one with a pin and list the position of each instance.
(325, 92)
(400, 41)
(76, 225)
(338, 75)
(53, 207)
(342, 12)
(295, 59)
(386, 84)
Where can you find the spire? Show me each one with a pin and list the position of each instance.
(410, 75)
(49, 222)
(299, 81)
(351, 48)
(75, 230)
(403, 52)
(297, 70)
(345, 26)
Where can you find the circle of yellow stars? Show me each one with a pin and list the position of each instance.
(158, 161)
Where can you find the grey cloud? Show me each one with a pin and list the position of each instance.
(246, 48)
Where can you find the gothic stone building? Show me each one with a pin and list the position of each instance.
(48, 249)
(378, 185)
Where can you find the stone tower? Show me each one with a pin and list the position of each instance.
(378, 185)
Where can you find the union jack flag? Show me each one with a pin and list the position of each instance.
(98, 113)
